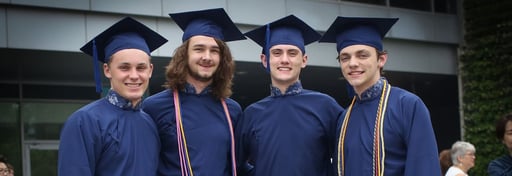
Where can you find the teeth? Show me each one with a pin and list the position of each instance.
(287, 69)
(355, 73)
(133, 84)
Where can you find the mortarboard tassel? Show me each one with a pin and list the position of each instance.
(97, 78)
(267, 43)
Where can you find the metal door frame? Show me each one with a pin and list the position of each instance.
(29, 145)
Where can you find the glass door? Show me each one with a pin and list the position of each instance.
(42, 123)
(41, 157)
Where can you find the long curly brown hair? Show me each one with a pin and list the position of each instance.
(177, 70)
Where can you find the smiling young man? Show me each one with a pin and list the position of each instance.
(386, 130)
(292, 131)
(194, 115)
(112, 136)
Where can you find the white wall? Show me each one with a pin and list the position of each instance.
(44, 30)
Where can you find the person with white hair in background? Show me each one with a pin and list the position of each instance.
(463, 158)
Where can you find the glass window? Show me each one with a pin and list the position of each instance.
(44, 120)
(43, 162)
(376, 2)
(423, 5)
(10, 134)
(9, 90)
(445, 6)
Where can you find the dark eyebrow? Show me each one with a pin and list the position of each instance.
(361, 51)
(198, 45)
(204, 46)
(276, 49)
(293, 50)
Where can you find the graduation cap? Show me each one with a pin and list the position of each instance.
(211, 22)
(288, 30)
(125, 34)
(346, 31)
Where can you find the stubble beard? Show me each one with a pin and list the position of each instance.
(201, 78)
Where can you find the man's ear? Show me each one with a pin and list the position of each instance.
(106, 71)
(151, 70)
(263, 59)
(304, 61)
(382, 60)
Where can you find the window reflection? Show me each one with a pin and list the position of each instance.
(10, 145)
(43, 121)
(423, 5)
(438, 6)
(445, 6)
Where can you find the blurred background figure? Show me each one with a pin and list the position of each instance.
(445, 160)
(503, 165)
(5, 168)
(463, 158)
(11, 169)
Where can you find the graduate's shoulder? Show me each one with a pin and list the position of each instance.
(157, 101)
(163, 95)
(403, 94)
(317, 95)
(233, 103)
(93, 107)
(91, 111)
(260, 104)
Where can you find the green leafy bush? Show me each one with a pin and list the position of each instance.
(486, 73)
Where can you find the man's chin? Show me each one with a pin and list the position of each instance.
(203, 78)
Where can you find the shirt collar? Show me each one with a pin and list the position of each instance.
(372, 92)
(190, 89)
(294, 89)
(117, 100)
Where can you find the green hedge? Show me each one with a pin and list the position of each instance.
(486, 72)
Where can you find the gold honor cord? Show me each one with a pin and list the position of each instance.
(182, 142)
(378, 138)
(341, 141)
(384, 106)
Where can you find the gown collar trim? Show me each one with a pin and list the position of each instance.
(190, 89)
(293, 89)
(117, 100)
(373, 92)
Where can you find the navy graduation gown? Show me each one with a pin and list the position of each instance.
(206, 131)
(290, 134)
(108, 137)
(409, 139)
